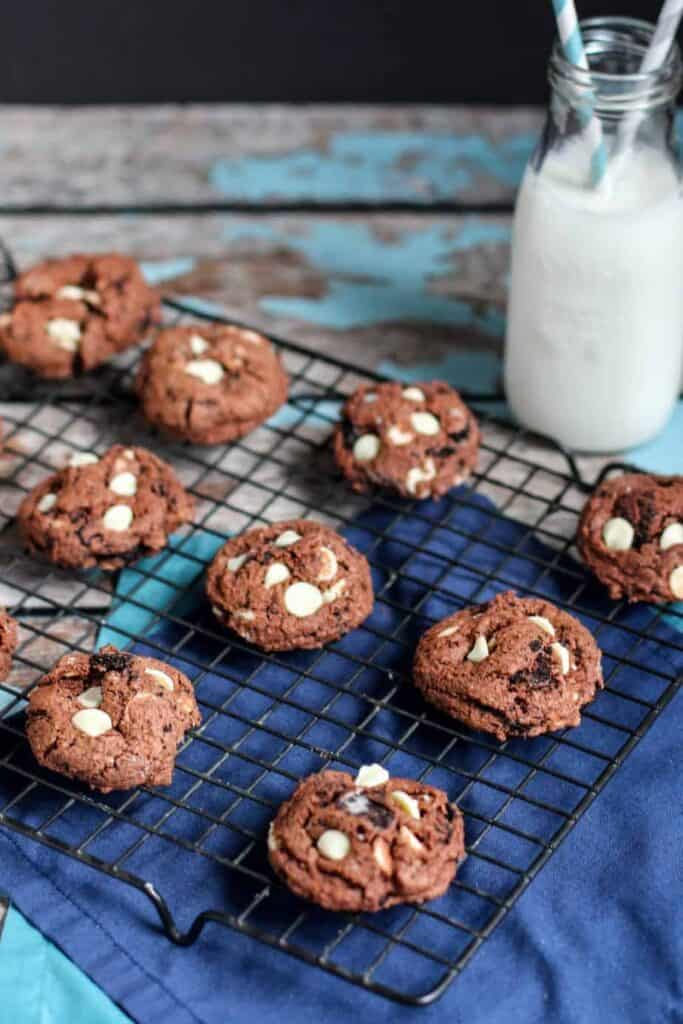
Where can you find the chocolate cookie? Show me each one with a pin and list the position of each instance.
(72, 314)
(211, 383)
(112, 720)
(368, 843)
(8, 642)
(416, 441)
(631, 536)
(104, 511)
(289, 586)
(516, 666)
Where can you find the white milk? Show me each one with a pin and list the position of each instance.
(595, 319)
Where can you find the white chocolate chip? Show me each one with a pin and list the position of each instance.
(90, 698)
(198, 345)
(398, 437)
(92, 722)
(366, 448)
(129, 453)
(303, 599)
(420, 474)
(237, 562)
(543, 623)
(406, 802)
(380, 851)
(251, 336)
(5, 319)
(335, 591)
(561, 655)
(78, 294)
(277, 572)
(480, 650)
(676, 582)
(414, 394)
(160, 677)
(411, 839)
(370, 396)
(273, 842)
(370, 775)
(79, 459)
(47, 502)
(671, 535)
(243, 613)
(118, 518)
(448, 631)
(66, 333)
(618, 534)
(69, 291)
(125, 484)
(287, 538)
(330, 564)
(425, 423)
(334, 844)
(206, 370)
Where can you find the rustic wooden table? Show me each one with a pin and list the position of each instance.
(382, 233)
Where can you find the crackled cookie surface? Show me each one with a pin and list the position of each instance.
(72, 314)
(631, 536)
(418, 441)
(8, 642)
(294, 584)
(112, 720)
(210, 383)
(366, 843)
(104, 511)
(516, 666)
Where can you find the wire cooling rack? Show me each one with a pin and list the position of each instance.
(260, 734)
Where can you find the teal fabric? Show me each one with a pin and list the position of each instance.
(39, 985)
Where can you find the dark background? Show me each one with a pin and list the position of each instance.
(482, 51)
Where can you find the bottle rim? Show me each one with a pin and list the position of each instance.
(611, 91)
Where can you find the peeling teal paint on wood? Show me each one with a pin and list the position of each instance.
(377, 167)
(157, 271)
(465, 369)
(663, 454)
(371, 280)
(200, 306)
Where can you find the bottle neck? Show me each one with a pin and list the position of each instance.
(615, 87)
(614, 100)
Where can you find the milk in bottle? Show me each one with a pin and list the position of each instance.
(594, 342)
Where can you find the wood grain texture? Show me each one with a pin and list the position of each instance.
(261, 155)
(369, 288)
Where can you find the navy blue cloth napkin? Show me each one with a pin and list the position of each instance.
(597, 936)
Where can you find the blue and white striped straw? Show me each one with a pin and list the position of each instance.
(657, 52)
(663, 36)
(572, 46)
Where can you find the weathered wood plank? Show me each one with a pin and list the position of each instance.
(370, 288)
(262, 155)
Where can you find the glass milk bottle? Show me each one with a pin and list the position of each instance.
(594, 342)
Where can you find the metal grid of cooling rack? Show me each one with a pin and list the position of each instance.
(279, 717)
